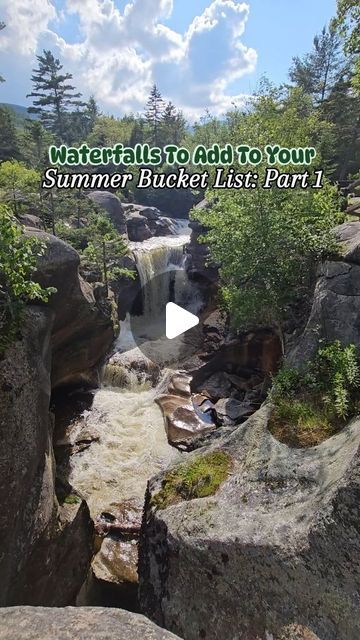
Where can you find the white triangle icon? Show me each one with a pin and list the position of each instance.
(178, 320)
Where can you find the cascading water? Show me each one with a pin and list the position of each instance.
(133, 444)
(165, 257)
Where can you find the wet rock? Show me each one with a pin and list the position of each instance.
(112, 207)
(114, 567)
(137, 227)
(180, 385)
(214, 328)
(216, 387)
(230, 411)
(124, 519)
(149, 218)
(251, 356)
(28, 623)
(184, 422)
(129, 368)
(116, 561)
(274, 551)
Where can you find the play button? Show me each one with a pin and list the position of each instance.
(164, 320)
(178, 320)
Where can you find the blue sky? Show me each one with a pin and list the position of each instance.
(201, 53)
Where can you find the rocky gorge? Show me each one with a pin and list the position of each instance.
(91, 428)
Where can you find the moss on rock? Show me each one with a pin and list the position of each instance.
(199, 478)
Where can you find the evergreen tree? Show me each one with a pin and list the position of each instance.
(2, 26)
(81, 122)
(35, 141)
(342, 110)
(54, 95)
(318, 71)
(137, 135)
(173, 125)
(348, 23)
(9, 148)
(154, 114)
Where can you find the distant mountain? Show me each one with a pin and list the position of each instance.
(20, 112)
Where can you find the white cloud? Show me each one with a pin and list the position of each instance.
(25, 20)
(118, 55)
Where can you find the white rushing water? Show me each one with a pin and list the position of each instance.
(132, 448)
(133, 444)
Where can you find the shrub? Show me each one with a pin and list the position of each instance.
(18, 259)
(312, 404)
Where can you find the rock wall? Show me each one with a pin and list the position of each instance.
(40, 561)
(275, 553)
(335, 313)
(46, 547)
(277, 546)
(82, 331)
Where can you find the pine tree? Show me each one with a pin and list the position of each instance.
(54, 96)
(318, 71)
(91, 113)
(9, 145)
(342, 110)
(35, 141)
(173, 125)
(2, 26)
(348, 23)
(154, 113)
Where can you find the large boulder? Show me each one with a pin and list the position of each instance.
(112, 207)
(28, 623)
(335, 313)
(184, 422)
(348, 235)
(83, 330)
(274, 553)
(138, 228)
(45, 548)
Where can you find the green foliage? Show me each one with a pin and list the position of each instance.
(348, 18)
(313, 403)
(9, 143)
(53, 95)
(109, 131)
(18, 185)
(35, 141)
(199, 478)
(72, 498)
(268, 241)
(18, 259)
(154, 114)
(317, 72)
(105, 249)
(348, 22)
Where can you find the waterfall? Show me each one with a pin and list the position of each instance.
(164, 255)
(133, 445)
